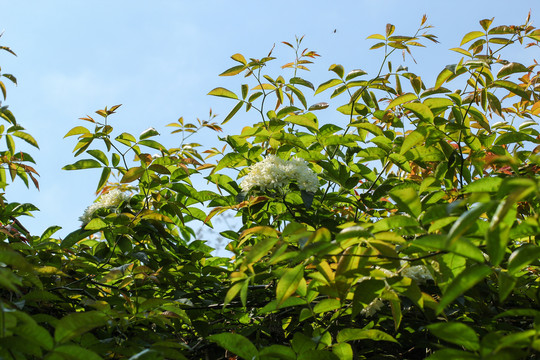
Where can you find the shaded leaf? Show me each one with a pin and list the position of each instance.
(235, 343)
(361, 334)
(463, 282)
(75, 324)
(456, 333)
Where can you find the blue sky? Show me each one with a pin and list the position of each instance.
(160, 59)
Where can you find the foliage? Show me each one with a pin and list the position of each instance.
(421, 241)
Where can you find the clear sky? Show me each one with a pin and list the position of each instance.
(160, 58)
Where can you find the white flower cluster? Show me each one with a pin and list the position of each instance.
(274, 172)
(418, 273)
(372, 307)
(111, 199)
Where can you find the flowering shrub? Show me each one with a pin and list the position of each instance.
(414, 236)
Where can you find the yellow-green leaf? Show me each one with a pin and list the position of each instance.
(83, 164)
(401, 100)
(471, 36)
(132, 174)
(219, 91)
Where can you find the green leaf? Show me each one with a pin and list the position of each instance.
(522, 257)
(442, 77)
(75, 237)
(456, 333)
(288, 283)
(26, 137)
(354, 73)
(361, 334)
(75, 352)
(260, 249)
(83, 164)
(232, 113)
(34, 333)
(233, 71)
(401, 100)
(132, 174)
(326, 305)
(317, 355)
(513, 137)
(406, 197)
(452, 354)
(328, 84)
(300, 81)
(298, 94)
(463, 282)
(471, 36)
(512, 87)
(302, 120)
(96, 224)
(506, 285)
(148, 133)
(338, 69)
(235, 343)
(219, 91)
(461, 246)
(280, 352)
(462, 51)
(240, 58)
(127, 137)
(77, 130)
(376, 36)
(75, 324)
(49, 232)
(153, 144)
(98, 154)
(105, 174)
(394, 222)
(487, 184)
(420, 110)
(411, 140)
(467, 219)
(511, 68)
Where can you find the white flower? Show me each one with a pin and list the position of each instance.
(274, 172)
(372, 308)
(418, 273)
(109, 200)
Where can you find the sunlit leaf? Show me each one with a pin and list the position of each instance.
(512, 87)
(471, 36)
(148, 133)
(523, 256)
(240, 58)
(132, 174)
(83, 164)
(233, 71)
(223, 93)
(401, 100)
(288, 283)
(420, 110)
(328, 84)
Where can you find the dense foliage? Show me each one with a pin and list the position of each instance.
(402, 226)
